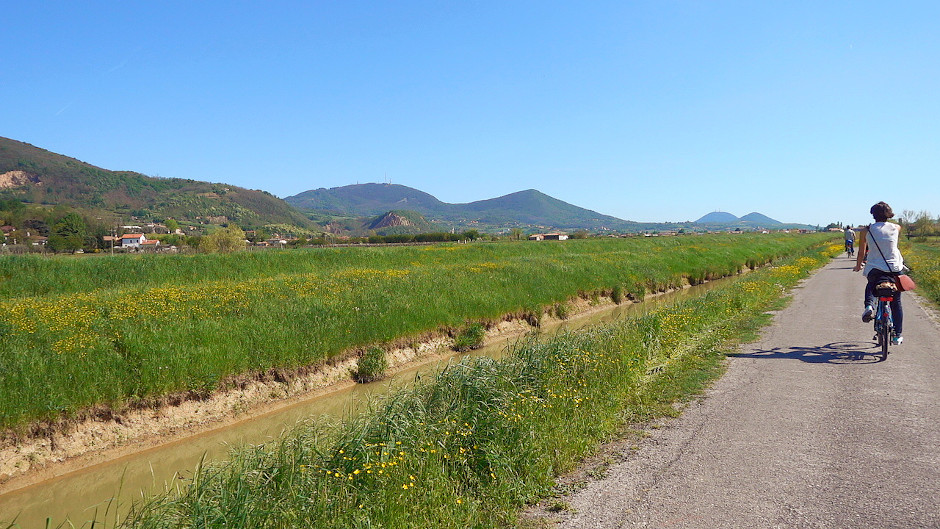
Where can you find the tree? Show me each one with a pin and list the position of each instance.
(37, 227)
(471, 235)
(68, 234)
(172, 225)
(261, 234)
(225, 240)
(923, 224)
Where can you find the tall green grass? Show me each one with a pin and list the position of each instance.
(76, 333)
(484, 438)
(922, 255)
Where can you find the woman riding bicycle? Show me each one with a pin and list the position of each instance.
(849, 241)
(884, 260)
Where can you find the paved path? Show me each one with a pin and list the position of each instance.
(803, 431)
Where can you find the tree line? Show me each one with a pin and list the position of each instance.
(61, 229)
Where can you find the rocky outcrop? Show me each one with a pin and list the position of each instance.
(390, 220)
(16, 179)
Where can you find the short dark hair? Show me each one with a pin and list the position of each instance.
(882, 212)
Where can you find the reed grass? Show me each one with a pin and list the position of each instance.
(76, 333)
(483, 439)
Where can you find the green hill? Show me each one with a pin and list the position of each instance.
(368, 200)
(529, 208)
(33, 175)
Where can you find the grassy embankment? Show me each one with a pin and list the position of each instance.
(473, 446)
(922, 255)
(76, 333)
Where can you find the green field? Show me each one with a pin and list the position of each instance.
(475, 445)
(76, 333)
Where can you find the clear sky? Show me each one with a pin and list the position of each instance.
(650, 111)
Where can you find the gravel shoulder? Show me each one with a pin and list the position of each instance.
(806, 429)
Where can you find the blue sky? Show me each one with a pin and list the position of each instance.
(651, 111)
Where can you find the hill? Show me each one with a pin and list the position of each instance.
(718, 217)
(751, 221)
(758, 218)
(529, 208)
(367, 200)
(34, 175)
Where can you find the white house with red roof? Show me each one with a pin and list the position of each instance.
(132, 240)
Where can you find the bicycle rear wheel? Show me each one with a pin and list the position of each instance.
(884, 339)
(884, 330)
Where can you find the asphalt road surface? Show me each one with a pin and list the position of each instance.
(807, 429)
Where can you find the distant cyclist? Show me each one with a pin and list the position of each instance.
(849, 241)
(884, 260)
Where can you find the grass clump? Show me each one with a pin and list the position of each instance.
(617, 295)
(372, 365)
(471, 337)
(562, 311)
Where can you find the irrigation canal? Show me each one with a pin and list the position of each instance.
(94, 493)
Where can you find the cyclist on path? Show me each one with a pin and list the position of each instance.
(849, 240)
(884, 260)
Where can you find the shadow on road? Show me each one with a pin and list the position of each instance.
(831, 353)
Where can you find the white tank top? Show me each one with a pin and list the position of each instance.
(885, 235)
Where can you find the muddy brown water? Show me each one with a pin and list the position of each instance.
(103, 492)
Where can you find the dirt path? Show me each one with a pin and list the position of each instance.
(802, 431)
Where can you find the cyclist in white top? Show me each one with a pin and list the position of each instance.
(883, 262)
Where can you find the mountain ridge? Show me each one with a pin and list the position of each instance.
(32, 175)
(529, 207)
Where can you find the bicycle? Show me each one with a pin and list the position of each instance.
(884, 323)
(849, 248)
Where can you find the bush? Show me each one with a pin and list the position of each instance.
(372, 365)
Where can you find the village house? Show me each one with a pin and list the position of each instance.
(548, 237)
(132, 240)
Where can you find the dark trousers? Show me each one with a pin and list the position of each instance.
(875, 277)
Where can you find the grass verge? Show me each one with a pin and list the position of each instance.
(922, 255)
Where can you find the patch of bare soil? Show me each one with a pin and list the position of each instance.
(16, 179)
